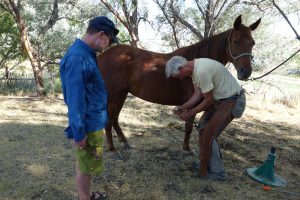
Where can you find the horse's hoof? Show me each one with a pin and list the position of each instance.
(189, 152)
(127, 146)
(116, 155)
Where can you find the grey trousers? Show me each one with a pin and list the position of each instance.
(216, 163)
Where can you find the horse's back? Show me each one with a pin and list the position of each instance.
(142, 73)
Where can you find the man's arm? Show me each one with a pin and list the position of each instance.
(204, 105)
(75, 94)
(196, 97)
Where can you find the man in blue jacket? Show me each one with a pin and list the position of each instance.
(86, 98)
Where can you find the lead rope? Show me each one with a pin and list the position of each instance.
(256, 78)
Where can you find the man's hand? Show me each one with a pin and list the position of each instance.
(81, 144)
(186, 115)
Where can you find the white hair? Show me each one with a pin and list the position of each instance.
(174, 64)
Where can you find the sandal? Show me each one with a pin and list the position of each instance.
(101, 196)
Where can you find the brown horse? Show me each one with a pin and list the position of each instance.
(142, 73)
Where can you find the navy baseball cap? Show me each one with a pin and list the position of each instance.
(102, 23)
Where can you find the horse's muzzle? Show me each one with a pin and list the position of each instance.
(244, 74)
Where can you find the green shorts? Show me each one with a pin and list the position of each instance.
(90, 159)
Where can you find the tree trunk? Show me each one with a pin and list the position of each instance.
(38, 76)
(133, 19)
(26, 47)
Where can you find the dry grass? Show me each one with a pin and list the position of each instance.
(37, 162)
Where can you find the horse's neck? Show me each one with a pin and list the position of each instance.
(213, 47)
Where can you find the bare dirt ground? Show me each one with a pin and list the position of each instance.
(37, 162)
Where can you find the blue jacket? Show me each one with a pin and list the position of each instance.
(84, 91)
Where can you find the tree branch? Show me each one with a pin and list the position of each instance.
(220, 10)
(125, 10)
(172, 24)
(115, 13)
(253, 3)
(52, 19)
(285, 17)
(185, 23)
(50, 62)
(200, 8)
(16, 64)
(75, 20)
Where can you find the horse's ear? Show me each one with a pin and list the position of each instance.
(238, 22)
(255, 25)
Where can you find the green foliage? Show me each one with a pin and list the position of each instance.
(52, 85)
(9, 39)
(51, 40)
(51, 31)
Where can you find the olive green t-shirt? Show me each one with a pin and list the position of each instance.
(210, 75)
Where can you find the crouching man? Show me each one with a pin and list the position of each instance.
(224, 100)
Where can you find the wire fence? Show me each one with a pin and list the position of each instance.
(14, 83)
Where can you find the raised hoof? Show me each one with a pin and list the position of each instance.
(116, 155)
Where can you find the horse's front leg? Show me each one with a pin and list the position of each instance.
(188, 130)
(119, 102)
(109, 139)
(116, 155)
(108, 129)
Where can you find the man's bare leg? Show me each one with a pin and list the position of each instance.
(83, 182)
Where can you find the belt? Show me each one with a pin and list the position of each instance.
(233, 97)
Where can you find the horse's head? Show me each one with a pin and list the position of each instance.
(239, 48)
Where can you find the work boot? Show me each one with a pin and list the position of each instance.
(216, 176)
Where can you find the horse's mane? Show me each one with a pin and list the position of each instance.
(205, 47)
